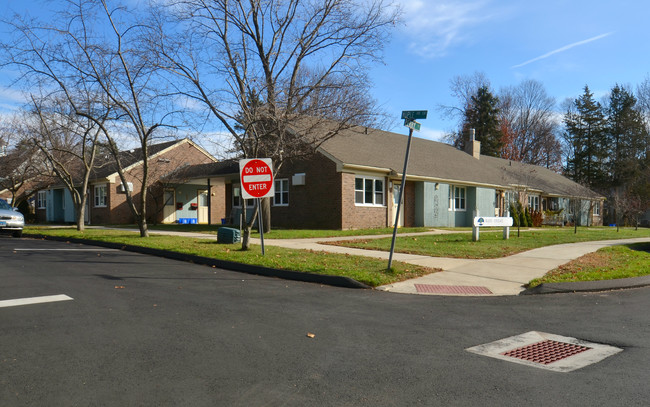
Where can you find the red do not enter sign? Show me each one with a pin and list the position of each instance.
(256, 177)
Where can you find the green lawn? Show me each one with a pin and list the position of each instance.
(491, 244)
(363, 269)
(284, 233)
(608, 263)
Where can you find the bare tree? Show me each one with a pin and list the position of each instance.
(281, 77)
(92, 47)
(69, 143)
(20, 169)
(463, 89)
(528, 120)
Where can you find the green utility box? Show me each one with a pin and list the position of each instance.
(228, 235)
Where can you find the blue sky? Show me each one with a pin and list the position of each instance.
(563, 44)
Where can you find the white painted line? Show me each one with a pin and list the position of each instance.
(257, 178)
(66, 250)
(34, 300)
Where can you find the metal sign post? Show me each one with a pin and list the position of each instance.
(409, 117)
(256, 177)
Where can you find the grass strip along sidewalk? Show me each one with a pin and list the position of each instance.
(491, 244)
(608, 263)
(363, 269)
(624, 261)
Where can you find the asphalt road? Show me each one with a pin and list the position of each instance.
(145, 331)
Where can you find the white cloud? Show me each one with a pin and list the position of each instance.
(563, 49)
(432, 134)
(433, 28)
(10, 98)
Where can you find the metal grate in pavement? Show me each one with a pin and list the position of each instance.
(546, 351)
(451, 289)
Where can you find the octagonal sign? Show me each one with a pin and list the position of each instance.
(256, 177)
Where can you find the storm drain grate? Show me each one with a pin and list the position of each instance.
(451, 289)
(546, 352)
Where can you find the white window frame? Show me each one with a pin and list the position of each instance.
(100, 195)
(533, 202)
(376, 192)
(454, 191)
(41, 200)
(249, 202)
(281, 190)
(597, 208)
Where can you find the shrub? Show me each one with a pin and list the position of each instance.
(529, 220)
(514, 213)
(536, 218)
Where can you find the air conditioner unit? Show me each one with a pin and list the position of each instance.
(122, 189)
(298, 179)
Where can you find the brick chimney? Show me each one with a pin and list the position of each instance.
(473, 146)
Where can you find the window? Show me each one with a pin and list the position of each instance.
(203, 198)
(281, 197)
(511, 197)
(369, 191)
(533, 202)
(597, 208)
(457, 200)
(41, 201)
(169, 197)
(100, 195)
(236, 197)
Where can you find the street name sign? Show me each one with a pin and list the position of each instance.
(256, 177)
(412, 124)
(414, 114)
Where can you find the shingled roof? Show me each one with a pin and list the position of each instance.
(377, 150)
(106, 166)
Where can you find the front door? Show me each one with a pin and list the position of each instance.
(203, 205)
(394, 205)
(169, 210)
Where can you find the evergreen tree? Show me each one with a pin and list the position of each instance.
(626, 134)
(483, 116)
(586, 135)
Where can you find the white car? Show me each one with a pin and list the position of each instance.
(11, 221)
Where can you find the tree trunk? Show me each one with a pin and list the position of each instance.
(142, 225)
(246, 237)
(266, 214)
(247, 226)
(80, 217)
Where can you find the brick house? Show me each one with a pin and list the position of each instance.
(106, 203)
(353, 181)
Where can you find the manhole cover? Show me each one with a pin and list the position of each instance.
(452, 289)
(546, 351)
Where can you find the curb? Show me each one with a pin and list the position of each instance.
(336, 281)
(589, 286)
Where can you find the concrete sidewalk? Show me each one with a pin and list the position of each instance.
(502, 276)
